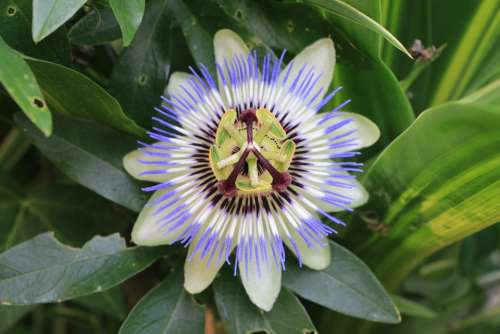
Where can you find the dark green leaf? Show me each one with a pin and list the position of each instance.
(435, 184)
(73, 213)
(43, 270)
(129, 15)
(167, 308)
(240, 316)
(63, 88)
(10, 315)
(97, 27)
(140, 76)
(15, 28)
(48, 15)
(111, 302)
(90, 154)
(347, 286)
(411, 308)
(20, 83)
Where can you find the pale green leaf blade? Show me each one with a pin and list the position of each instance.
(129, 15)
(63, 89)
(19, 81)
(411, 308)
(48, 15)
(43, 270)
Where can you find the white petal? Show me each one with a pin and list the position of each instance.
(320, 55)
(198, 275)
(367, 132)
(147, 231)
(174, 83)
(262, 286)
(228, 44)
(316, 257)
(133, 166)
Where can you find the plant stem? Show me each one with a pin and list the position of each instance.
(12, 149)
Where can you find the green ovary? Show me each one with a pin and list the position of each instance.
(231, 142)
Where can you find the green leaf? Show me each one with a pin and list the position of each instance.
(129, 15)
(68, 210)
(349, 12)
(140, 76)
(63, 88)
(90, 154)
(435, 184)
(489, 95)
(346, 279)
(15, 28)
(10, 315)
(20, 83)
(48, 15)
(240, 316)
(96, 28)
(110, 302)
(411, 308)
(167, 308)
(43, 270)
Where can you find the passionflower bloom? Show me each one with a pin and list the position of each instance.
(249, 164)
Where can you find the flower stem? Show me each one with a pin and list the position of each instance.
(13, 148)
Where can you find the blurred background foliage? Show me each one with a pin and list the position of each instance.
(87, 74)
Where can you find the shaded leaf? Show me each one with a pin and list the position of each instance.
(129, 16)
(435, 184)
(140, 76)
(346, 286)
(68, 210)
(411, 308)
(167, 308)
(15, 28)
(48, 15)
(110, 302)
(63, 88)
(10, 315)
(97, 27)
(20, 83)
(90, 154)
(240, 316)
(43, 270)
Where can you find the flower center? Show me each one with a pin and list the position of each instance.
(251, 153)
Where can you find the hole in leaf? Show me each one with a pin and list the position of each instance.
(11, 10)
(38, 102)
(143, 79)
(239, 14)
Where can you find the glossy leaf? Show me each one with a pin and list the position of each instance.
(349, 12)
(90, 154)
(48, 15)
(97, 27)
(140, 76)
(240, 316)
(19, 81)
(167, 308)
(435, 184)
(43, 270)
(63, 89)
(346, 279)
(15, 28)
(129, 15)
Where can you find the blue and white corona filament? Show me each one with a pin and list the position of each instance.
(247, 165)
